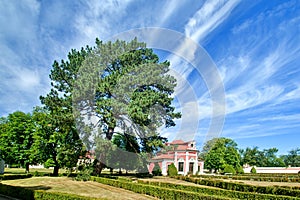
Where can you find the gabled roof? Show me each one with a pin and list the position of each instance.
(163, 156)
(178, 142)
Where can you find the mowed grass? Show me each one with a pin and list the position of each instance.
(31, 170)
(67, 185)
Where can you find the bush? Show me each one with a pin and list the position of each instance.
(156, 170)
(240, 170)
(172, 170)
(229, 169)
(253, 170)
(156, 190)
(216, 191)
(270, 190)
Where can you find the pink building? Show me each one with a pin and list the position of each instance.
(184, 155)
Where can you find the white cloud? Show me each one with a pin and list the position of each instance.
(208, 17)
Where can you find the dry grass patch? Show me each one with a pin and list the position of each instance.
(67, 185)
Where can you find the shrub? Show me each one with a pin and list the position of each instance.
(172, 170)
(156, 170)
(253, 170)
(229, 169)
(240, 170)
(270, 190)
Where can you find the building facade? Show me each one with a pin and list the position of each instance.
(184, 155)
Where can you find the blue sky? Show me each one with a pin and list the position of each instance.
(254, 44)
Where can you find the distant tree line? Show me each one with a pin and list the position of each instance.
(223, 155)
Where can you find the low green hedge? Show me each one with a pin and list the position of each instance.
(216, 191)
(283, 178)
(158, 192)
(14, 176)
(274, 190)
(27, 194)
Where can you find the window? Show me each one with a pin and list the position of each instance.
(180, 166)
(191, 167)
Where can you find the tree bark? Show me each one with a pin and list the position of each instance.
(55, 170)
(109, 133)
(27, 167)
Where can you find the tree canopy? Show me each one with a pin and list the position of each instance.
(16, 139)
(219, 153)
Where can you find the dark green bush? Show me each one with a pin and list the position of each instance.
(239, 170)
(156, 191)
(156, 170)
(215, 191)
(229, 169)
(273, 190)
(253, 170)
(172, 170)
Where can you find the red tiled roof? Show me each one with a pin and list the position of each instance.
(178, 142)
(163, 156)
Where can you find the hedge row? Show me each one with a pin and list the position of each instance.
(256, 178)
(14, 176)
(158, 192)
(27, 194)
(275, 190)
(216, 191)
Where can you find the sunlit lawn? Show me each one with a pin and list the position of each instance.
(31, 170)
(67, 185)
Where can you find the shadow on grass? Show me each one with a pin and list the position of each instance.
(37, 187)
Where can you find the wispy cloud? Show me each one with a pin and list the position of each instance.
(208, 17)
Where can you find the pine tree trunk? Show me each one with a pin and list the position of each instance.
(109, 133)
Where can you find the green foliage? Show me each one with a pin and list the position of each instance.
(16, 139)
(84, 175)
(229, 169)
(156, 190)
(293, 158)
(259, 177)
(239, 170)
(126, 81)
(156, 170)
(220, 152)
(127, 154)
(244, 191)
(172, 170)
(264, 158)
(253, 170)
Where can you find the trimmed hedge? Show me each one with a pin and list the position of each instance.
(27, 194)
(257, 177)
(158, 192)
(216, 191)
(14, 176)
(274, 190)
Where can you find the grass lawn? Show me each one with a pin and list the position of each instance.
(31, 170)
(67, 185)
